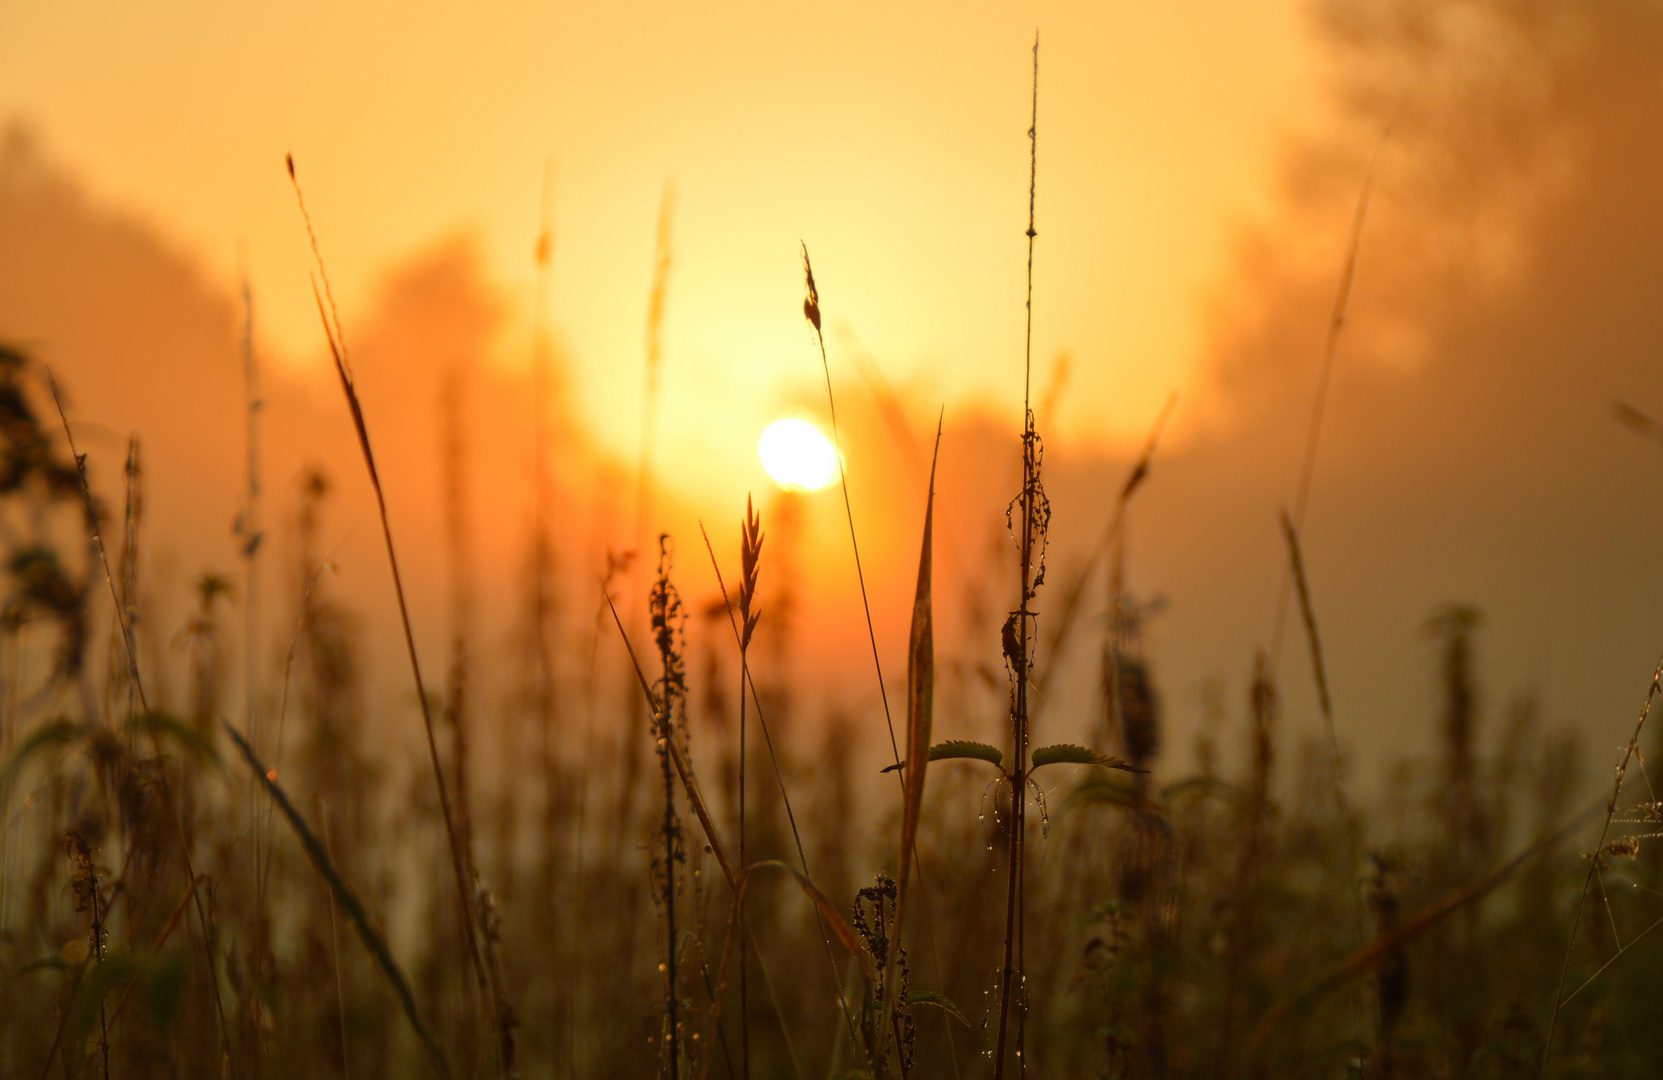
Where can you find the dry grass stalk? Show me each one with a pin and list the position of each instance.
(654, 366)
(1630, 753)
(337, 351)
(459, 540)
(94, 529)
(779, 777)
(811, 312)
(250, 536)
(824, 908)
(1319, 672)
(132, 518)
(543, 615)
(750, 555)
(343, 895)
(335, 945)
(1252, 850)
(825, 911)
(1336, 322)
(1114, 543)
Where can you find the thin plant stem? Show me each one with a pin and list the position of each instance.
(1630, 753)
(337, 350)
(349, 902)
(1336, 322)
(811, 308)
(335, 942)
(1325, 703)
(1016, 649)
(785, 796)
(144, 703)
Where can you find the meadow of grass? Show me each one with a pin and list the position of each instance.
(668, 872)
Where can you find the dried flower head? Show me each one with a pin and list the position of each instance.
(1624, 847)
(668, 619)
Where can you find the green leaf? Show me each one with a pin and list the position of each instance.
(45, 963)
(46, 737)
(1201, 787)
(116, 970)
(164, 986)
(1102, 791)
(189, 739)
(961, 748)
(1069, 754)
(929, 997)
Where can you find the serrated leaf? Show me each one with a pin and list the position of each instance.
(929, 997)
(1070, 754)
(963, 748)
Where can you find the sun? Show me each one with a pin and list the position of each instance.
(796, 455)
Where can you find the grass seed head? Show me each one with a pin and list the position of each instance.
(811, 302)
(750, 554)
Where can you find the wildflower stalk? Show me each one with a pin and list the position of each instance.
(126, 627)
(667, 617)
(1035, 511)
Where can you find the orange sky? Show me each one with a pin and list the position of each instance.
(890, 139)
(1199, 166)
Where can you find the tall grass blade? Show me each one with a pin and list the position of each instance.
(811, 311)
(337, 351)
(1069, 612)
(344, 896)
(125, 625)
(920, 714)
(779, 776)
(1336, 322)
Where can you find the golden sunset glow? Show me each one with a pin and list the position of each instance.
(525, 466)
(796, 455)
